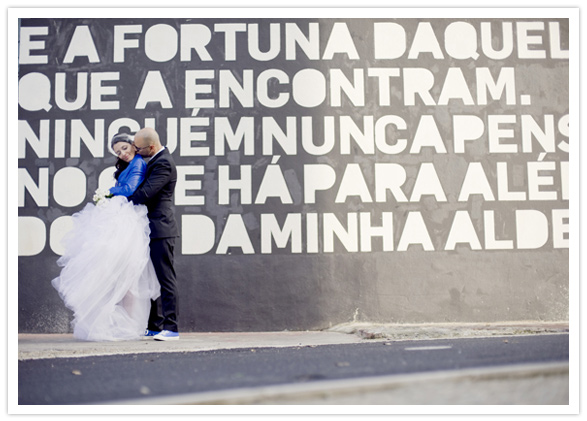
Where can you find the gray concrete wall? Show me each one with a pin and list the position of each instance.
(384, 170)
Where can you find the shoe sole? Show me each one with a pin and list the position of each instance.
(175, 338)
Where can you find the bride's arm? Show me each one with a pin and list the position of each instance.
(135, 177)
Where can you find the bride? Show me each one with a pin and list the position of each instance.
(107, 278)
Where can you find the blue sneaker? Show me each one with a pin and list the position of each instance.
(166, 335)
(149, 334)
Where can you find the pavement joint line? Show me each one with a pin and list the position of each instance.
(427, 348)
(331, 388)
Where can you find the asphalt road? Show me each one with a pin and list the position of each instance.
(96, 379)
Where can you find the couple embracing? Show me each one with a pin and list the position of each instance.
(118, 274)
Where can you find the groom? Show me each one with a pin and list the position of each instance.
(156, 192)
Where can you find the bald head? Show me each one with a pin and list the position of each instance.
(147, 142)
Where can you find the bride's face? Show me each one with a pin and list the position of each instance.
(124, 151)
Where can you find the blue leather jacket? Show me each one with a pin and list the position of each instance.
(130, 178)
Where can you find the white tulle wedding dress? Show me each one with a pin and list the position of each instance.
(107, 278)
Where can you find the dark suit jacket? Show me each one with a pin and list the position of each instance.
(156, 192)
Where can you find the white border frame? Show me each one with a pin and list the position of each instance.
(367, 10)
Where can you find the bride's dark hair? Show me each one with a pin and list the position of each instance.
(120, 167)
(120, 164)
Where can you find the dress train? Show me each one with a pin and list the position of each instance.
(107, 278)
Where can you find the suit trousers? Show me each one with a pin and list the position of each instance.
(163, 315)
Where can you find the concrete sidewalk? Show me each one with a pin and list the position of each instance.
(33, 346)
